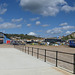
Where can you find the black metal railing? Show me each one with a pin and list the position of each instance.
(32, 51)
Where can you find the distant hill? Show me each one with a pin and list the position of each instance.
(71, 36)
(21, 36)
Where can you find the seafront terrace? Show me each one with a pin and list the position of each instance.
(14, 61)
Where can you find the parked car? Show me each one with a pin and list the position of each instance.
(72, 43)
(15, 43)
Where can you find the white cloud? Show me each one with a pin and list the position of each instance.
(54, 31)
(45, 25)
(63, 24)
(28, 25)
(46, 7)
(34, 19)
(32, 33)
(17, 20)
(68, 32)
(1, 19)
(38, 22)
(3, 8)
(67, 27)
(8, 25)
(59, 29)
(68, 8)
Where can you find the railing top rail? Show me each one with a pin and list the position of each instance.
(62, 52)
(53, 51)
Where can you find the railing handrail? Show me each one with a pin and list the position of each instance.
(46, 56)
(54, 51)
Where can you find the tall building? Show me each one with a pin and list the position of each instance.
(4, 39)
(1, 38)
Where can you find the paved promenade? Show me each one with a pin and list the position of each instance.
(15, 62)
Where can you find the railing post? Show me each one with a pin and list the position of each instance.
(37, 53)
(45, 56)
(28, 50)
(74, 65)
(32, 51)
(56, 58)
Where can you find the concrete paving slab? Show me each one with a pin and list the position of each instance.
(15, 62)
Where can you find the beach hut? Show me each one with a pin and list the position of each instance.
(4, 39)
(7, 40)
(1, 38)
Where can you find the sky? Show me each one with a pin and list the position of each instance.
(45, 18)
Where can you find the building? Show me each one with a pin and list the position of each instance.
(53, 40)
(71, 42)
(1, 38)
(4, 39)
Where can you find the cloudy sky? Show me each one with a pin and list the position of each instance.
(46, 18)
